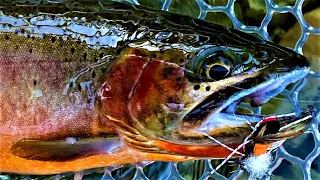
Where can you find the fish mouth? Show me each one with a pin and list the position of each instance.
(224, 120)
(282, 127)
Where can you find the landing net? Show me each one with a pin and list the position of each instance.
(169, 171)
(282, 154)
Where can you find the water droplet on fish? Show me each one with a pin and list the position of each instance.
(71, 140)
(37, 93)
(83, 19)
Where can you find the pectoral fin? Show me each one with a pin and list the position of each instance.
(62, 150)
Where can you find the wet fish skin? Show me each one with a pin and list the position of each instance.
(53, 86)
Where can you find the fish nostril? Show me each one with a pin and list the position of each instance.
(262, 55)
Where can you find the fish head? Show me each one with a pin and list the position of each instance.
(181, 94)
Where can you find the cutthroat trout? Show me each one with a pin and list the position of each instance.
(95, 84)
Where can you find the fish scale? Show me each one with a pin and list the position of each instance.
(112, 85)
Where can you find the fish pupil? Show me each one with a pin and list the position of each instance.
(218, 72)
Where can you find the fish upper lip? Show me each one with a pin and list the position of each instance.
(288, 78)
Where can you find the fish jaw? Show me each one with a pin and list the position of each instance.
(232, 129)
(216, 119)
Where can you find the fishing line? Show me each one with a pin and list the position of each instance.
(231, 154)
(235, 151)
(245, 141)
(221, 144)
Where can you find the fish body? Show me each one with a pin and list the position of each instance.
(86, 85)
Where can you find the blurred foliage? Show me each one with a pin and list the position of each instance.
(152, 4)
(187, 7)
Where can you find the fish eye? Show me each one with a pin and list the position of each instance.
(212, 63)
(216, 69)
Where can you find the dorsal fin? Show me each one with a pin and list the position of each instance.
(64, 150)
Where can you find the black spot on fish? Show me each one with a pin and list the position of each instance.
(103, 70)
(196, 87)
(53, 39)
(208, 88)
(167, 72)
(30, 50)
(84, 56)
(6, 37)
(181, 60)
(72, 50)
(34, 82)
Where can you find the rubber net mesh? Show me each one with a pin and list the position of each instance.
(281, 153)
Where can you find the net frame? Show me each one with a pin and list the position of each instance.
(306, 30)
